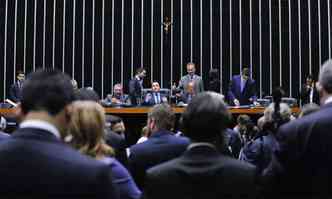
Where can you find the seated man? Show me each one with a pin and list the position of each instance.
(186, 97)
(202, 171)
(118, 98)
(155, 97)
(242, 89)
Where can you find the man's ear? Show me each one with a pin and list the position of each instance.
(68, 112)
(19, 115)
(151, 123)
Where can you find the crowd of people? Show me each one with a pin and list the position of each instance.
(66, 147)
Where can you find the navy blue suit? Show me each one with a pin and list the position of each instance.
(135, 91)
(201, 172)
(34, 162)
(304, 156)
(160, 147)
(249, 91)
(152, 98)
(15, 92)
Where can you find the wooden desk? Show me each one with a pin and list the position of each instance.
(135, 117)
(145, 110)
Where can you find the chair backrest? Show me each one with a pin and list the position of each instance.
(290, 101)
(164, 91)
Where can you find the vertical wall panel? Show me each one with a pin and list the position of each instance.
(100, 43)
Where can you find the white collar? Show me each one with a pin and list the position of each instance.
(196, 144)
(328, 100)
(43, 125)
(138, 78)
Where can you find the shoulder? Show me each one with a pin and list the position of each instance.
(163, 169)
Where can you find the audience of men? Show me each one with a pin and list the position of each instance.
(136, 87)
(118, 98)
(288, 159)
(302, 164)
(191, 77)
(258, 151)
(309, 93)
(242, 89)
(202, 171)
(15, 90)
(161, 146)
(36, 162)
(155, 97)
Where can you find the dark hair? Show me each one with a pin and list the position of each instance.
(87, 94)
(47, 90)
(163, 116)
(19, 72)
(214, 74)
(139, 70)
(206, 117)
(243, 119)
(310, 76)
(278, 120)
(113, 119)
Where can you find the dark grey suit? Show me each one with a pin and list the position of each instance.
(303, 161)
(201, 172)
(198, 86)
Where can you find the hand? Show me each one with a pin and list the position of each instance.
(164, 100)
(115, 101)
(236, 102)
(256, 103)
(148, 97)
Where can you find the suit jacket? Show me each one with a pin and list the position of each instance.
(160, 147)
(36, 163)
(198, 86)
(249, 90)
(303, 163)
(185, 98)
(15, 92)
(305, 95)
(149, 99)
(135, 91)
(201, 172)
(119, 144)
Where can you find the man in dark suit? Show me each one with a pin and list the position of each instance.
(16, 88)
(303, 162)
(136, 87)
(202, 171)
(155, 97)
(309, 93)
(242, 89)
(35, 163)
(116, 139)
(161, 146)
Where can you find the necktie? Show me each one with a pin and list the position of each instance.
(158, 98)
(243, 83)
